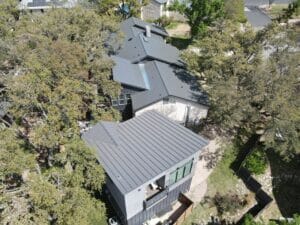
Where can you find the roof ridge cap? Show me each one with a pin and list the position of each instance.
(108, 133)
(155, 64)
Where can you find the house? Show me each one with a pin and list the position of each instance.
(41, 5)
(154, 9)
(257, 17)
(149, 160)
(158, 8)
(153, 76)
(256, 11)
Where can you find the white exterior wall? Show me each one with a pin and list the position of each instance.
(176, 109)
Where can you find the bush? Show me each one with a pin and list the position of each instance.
(250, 221)
(164, 21)
(228, 203)
(234, 10)
(256, 162)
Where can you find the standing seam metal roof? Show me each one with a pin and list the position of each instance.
(142, 148)
(166, 80)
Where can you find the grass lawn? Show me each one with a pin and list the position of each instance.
(276, 10)
(221, 180)
(172, 25)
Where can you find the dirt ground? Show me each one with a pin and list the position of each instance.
(181, 30)
(199, 182)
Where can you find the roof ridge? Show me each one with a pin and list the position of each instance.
(108, 133)
(155, 64)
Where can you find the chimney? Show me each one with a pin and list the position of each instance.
(148, 31)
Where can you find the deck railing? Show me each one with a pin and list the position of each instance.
(156, 198)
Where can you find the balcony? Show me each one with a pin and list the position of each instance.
(156, 198)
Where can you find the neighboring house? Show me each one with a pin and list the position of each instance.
(255, 11)
(154, 9)
(264, 3)
(154, 77)
(257, 17)
(149, 160)
(158, 8)
(41, 5)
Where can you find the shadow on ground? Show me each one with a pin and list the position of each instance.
(179, 42)
(286, 184)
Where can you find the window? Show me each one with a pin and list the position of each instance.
(122, 100)
(181, 172)
(172, 178)
(114, 102)
(188, 168)
(128, 96)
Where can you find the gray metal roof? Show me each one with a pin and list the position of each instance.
(136, 151)
(266, 2)
(45, 4)
(161, 1)
(166, 80)
(134, 26)
(257, 17)
(256, 2)
(282, 1)
(129, 74)
(3, 108)
(151, 64)
(140, 47)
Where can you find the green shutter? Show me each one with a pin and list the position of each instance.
(188, 168)
(180, 172)
(172, 178)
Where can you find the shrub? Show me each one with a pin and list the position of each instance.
(228, 203)
(256, 162)
(164, 21)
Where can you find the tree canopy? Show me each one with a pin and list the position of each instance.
(112, 7)
(251, 91)
(55, 72)
(250, 221)
(200, 14)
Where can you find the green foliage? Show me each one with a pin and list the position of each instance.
(200, 14)
(15, 156)
(250, 96)
(234, 10)
(228, 203)
(223, 178)
(57, 72)
(164, 21)
(9, 14)
(111, 7)
(256, 162)
(292, 9)
(250, 221)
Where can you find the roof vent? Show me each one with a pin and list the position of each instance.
(148, 31)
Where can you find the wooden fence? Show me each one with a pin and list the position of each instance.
(183, 211)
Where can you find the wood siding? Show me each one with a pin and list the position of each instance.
(163, 205)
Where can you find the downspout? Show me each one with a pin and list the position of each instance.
(187, 115)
